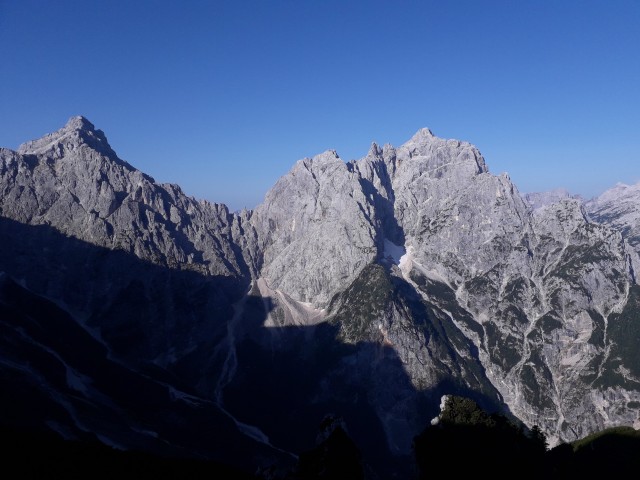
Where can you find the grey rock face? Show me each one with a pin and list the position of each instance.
(580, 277)
(619, 207)
(422, 261)
(542, 199)
(73, 181)
(317, 229)
(532, 290)
(123, 253)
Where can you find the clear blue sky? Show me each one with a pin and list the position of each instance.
(222, 97)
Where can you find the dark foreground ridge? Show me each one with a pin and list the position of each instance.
(34, 455)
(465, 441)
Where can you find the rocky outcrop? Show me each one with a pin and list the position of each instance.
(317, 229)
(73, 181)
(539, 200)
(530, 282)
(619, 207)
(149, 270)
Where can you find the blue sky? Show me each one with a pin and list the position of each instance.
(223, 97)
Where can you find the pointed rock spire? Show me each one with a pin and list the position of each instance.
(374, 150)
(79, 123)
(422, 135)
(77, 132)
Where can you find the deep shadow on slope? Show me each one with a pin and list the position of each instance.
(58, 377)
(613, 452)
(492, 446)
(146, 314)
(297, 375)
(39, 455)
(146, 376)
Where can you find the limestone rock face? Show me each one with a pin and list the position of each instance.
(317, 229)
(452, 211)
(151, 270)
(473, 246)
(533, 283)
(619, 207)
(73, 181)
(393, 280)
(542, 199)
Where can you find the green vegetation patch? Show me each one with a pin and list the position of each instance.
(464, 411)
(467, 443)
(515, 316)
(481, 286)
(533, 390)
(611, 376)
(548, 322)
(598, 436)
(597, 335)
(576, 257)
(505, 352)
(515, 290)
(437, 290)
(624, 333)
(365, 300)
(589, 374)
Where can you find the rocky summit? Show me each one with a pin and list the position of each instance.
(365, 290)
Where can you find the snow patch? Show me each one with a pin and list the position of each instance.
(393, 252)
(406, 261)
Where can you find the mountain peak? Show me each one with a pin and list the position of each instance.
(422, 135)
(422, 138)
(79, 123)
(374, 150)
(78, 131)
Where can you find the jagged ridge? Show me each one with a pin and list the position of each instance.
(521, 306)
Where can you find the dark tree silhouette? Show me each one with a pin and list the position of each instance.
(336, 455)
